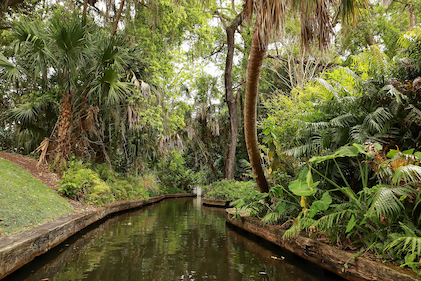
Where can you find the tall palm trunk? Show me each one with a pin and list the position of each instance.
(231, 100)
(257, 56)
(63, 135)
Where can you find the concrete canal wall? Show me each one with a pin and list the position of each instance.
(21, 248)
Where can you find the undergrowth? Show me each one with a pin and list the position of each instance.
(100, 185)
(229, 190)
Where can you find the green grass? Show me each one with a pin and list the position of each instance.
(25, 201)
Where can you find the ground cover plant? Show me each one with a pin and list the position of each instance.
(25, 201)
(100, 185)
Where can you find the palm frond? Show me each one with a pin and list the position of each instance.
(386, 202)
(376, 121)
(344, 121)
(391, 91)
(328, 221)
(24, 113)
(329, 88)
(406, 243)
(407, 174)
(11, 71)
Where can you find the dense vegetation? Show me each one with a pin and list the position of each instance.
(155, 97)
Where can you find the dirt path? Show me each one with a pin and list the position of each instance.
(30, 164)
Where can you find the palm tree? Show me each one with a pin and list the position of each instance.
(83, 66)
(316, 23)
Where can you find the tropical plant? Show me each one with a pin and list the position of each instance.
(229, 190)
(357, 214)
(269, 15)
(84, 68)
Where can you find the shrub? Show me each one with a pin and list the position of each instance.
(84, 184)
(229, 190)
(102, 185)
(172, 173)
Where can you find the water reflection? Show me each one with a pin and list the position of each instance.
(173, 240)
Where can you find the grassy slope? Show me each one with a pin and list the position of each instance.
(25, 201)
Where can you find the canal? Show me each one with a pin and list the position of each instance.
(177, 239)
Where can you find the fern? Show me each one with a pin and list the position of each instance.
(408, 245)
(385, 201)
(328, 221)
(301, 223)
(408, 174)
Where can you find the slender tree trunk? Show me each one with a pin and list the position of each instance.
(117, 19)
(85, 8)
(412, 17)
(231, 100)
(257, 56)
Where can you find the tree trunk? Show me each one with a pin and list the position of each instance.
(63, 136)
(412, 17)
(257, 56)
(117, 19)
(85, 8)
(231, 100)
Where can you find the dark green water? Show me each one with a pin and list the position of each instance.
(173, 240)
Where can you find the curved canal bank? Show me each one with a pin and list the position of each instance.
(340, 262)
(21, 248)
(178, 239)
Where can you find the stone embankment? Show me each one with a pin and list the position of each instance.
(346, 264)
(21, 248)
(215, 202)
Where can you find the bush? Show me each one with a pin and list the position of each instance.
(173, 174)
(229, 190)
(101, 185)
(85, 185)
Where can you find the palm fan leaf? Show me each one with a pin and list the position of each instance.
(11, 71)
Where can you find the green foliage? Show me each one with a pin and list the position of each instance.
(84, 184)
(277, 206)
(229, 190)
(406, 246)
(303, 185)
(100, 185)
(173, 174)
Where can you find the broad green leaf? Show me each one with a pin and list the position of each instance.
(408, 152)
(303, 186)
(327, 199)
(300, 187)
(344, 151)
(320, 205)
(351, 224)
(391, 153)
